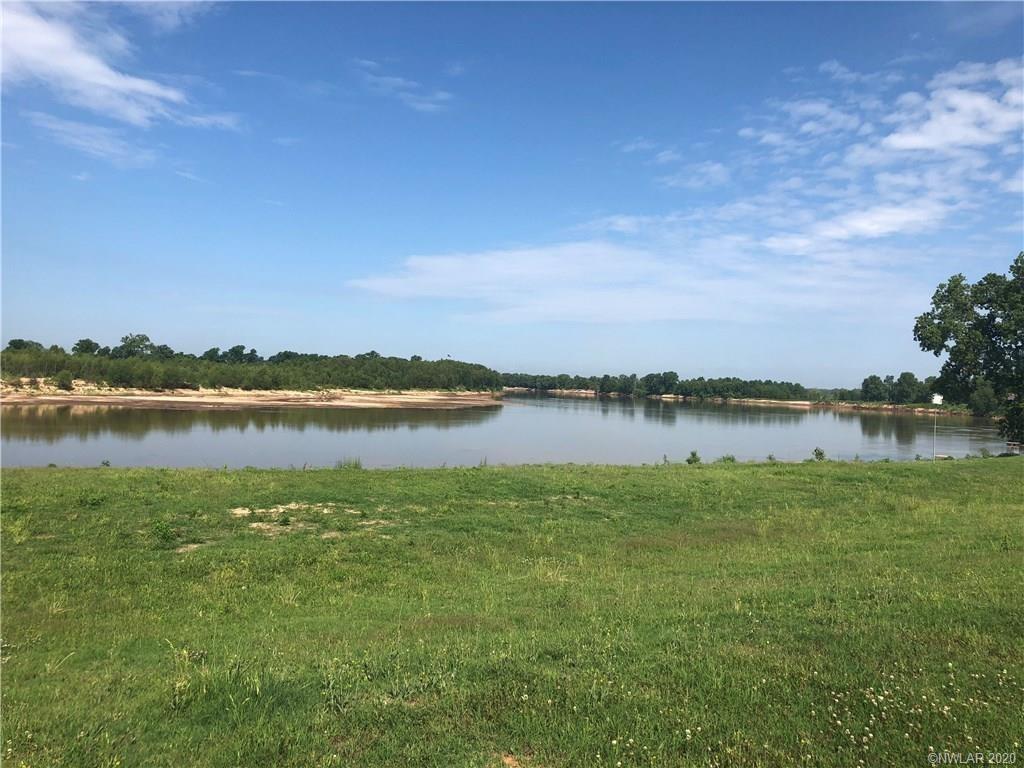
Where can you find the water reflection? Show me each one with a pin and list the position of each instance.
(526, 429)
(51, 423)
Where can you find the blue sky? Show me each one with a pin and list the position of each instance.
(761, 190)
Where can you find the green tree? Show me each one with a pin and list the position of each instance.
(873, 389)
(132, 345)
(85, 347)
(64, 381)
(235, 354)
(26, 344)
(980, 328)
(983, 400)
(906, 388)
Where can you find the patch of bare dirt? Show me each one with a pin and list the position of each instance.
(188, 548)
(279, 509)
(276, 529)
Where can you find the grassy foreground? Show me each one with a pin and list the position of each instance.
(742, 615)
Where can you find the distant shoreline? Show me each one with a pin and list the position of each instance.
(800, 404)
(235, 399)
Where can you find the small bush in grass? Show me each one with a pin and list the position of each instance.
(693, 458)
(163, 532)
(727, 459)
(819, 454)
(349, 464)
(63, 380)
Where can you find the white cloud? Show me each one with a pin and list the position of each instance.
(818, 116)
(843, 74)
(639, 144)
(955, 115)
(836, 216)
(71, 51)
(168, 16)
(191, 176)
(411, 93)
(706, 174)
(94, 140)
(595, 281)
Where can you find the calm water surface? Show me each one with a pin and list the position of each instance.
(527, 429)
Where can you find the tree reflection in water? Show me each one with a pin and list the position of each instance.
(50, 423)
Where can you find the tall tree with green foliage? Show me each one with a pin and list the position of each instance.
(85, 347)
(874, 390)
(980, 328)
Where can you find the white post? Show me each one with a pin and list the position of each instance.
(936, 400)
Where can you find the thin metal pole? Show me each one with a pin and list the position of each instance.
(935, 429)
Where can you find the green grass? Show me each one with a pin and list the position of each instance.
(814, 614)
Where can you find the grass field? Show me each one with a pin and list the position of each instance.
(815, 614)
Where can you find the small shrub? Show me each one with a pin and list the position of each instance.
(347, 463)
(64, 381)
(727, 459)
(693, 458)
(771, 458)
(285, 520)
(819, 454)
(105, 463)
(985, 453)
(163, 532)
(90, 498)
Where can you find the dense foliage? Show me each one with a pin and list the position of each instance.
(138, 362)
(667, 383)
(906, 388)
(980, 328)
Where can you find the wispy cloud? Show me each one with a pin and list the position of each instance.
(706, 174)
(186, 174)
(411, 93)
(169, 16)
(843, 74)
(73, 52)
(827, 202)
(94, 140)
(981, 19)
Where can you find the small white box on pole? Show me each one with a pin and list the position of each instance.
(936, 399)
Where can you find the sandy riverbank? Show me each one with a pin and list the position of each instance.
(225, 398)
(799, 404)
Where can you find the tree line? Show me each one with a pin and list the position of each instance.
(666, 383)
(978, 327)
(139, 362)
